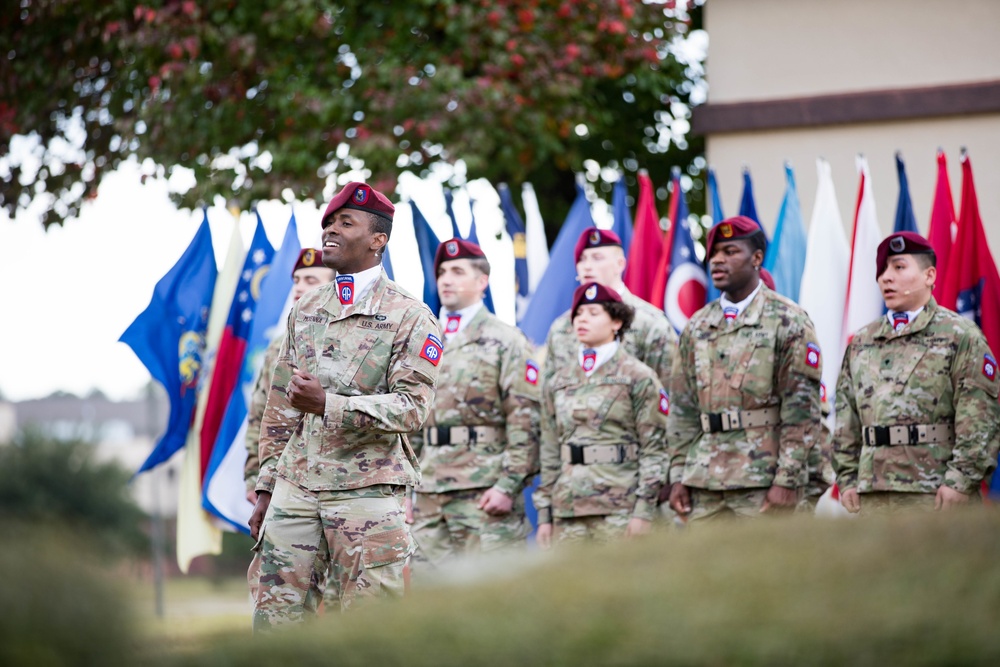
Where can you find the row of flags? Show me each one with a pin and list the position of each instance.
(204, 332)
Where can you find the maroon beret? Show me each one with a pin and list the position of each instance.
(309, 258)
(593, 237)
(900, 243)
(594, 293)
(362, 197)
(731, 229)
(457, 248)
(768, 279)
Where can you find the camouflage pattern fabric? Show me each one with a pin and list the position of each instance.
(738, 503)
(936, 370)
(600, 528)
(885, 503)
(651, 340)
(483, 381)
(820, 467)
(766, 357)
(359, 537)
(619, 404)
(258, 400)
(449, 525)
(377, 361)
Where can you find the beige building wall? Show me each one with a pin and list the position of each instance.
(780, 49)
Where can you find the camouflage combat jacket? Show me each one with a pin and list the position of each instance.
(486, 379)
(621, 403)
(377, 362)
(258, 401)
(651, 339)
(936, 370)
(768, 357)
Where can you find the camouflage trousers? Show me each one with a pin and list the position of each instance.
(446, 525)
(316, 589)
(595, 528)
(881, 503)
(737, 503)
(358, 537)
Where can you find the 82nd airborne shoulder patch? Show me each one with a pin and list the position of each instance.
(531, 372)
(812, 355)
(432, 349)
(664, 401)
(989, 367)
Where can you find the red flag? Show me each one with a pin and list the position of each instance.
(647, 244)
(971, 284)
(659, 285)
(942, 230)
(680, 286)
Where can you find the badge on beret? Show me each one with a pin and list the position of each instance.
(812, 355)
(309, 257)
(531, 372)
(897, 244)
(345, 289)
(591, 293)
(726, 230)
(595, 237)
(664, 401)
(361, 195)
(432, 349)
(989, 367)
(451, 247)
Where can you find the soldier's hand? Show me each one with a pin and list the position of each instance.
(495, 502)
(851, 501)
(259, 510)
(780, 498)
(252, 497)
(664, 495)
(408, 506)
(637, 527)
(544, 536)
(305, 393)
(680, 499)
(948, 498)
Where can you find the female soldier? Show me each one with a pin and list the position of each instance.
(603, 448)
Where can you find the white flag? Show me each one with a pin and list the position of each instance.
(534, 237)
(864, 299)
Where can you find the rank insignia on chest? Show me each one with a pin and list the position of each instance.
(345, 289)
(664, 401)
(989, 366)
(531, 372)
(432, 349)
(812, 355)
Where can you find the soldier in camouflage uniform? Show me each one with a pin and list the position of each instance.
(746, 390)
(307, 274)
(603, 448)
(480, 444)
(356, 374)
(917, 411)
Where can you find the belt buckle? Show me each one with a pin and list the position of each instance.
(443, 435)
(881, 435)
(576, 454)
(714, 422)
(913, 434)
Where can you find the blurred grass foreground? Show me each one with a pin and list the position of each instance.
(911, 590)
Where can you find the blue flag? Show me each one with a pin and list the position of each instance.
(387, 263)
(717, 217)
(786, 254)
(622, 225)
(169, 337)
(473, 238)
(515, 228)
(427, 245)
(747, 205)
(554, 294)
(905, 220)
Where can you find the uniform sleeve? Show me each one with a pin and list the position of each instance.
(847, 434)
(977, 414)
(551, 466)
(661, 348)
(258, 400)
(519, 400)
(799, 370)
(411, 377)
(683, 422)
(548, 362)
(280, 419)
(651, 426)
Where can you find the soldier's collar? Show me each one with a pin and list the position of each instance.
(919, 323)
(367, 302)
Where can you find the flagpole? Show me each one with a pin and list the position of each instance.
(157, 532)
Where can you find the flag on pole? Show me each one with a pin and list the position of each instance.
(680, 284)
(387, 263)
(449, 207)
(224, 492)
(196, 534)
(516, 231)
(748, 207)
(427, 245)
(942, 226)
(863, 303)
(537, 244)
(824, 279)
(559, 280)
(647, 244)
(622, 225)
(717, 216)
(233, 345)
(473, 236)
(972, 284)
(169, 337)
(905, 220)
(786, 254)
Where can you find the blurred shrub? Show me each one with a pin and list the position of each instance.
(58, 482)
